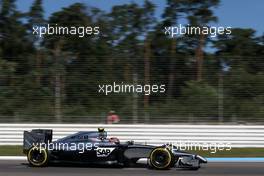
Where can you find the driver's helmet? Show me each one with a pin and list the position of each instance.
(101, 132)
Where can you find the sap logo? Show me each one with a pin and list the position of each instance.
(103, 152)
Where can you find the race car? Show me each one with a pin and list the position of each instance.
(94, 147)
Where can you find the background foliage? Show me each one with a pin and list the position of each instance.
(56, 78)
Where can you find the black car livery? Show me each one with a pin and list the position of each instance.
(93, 147)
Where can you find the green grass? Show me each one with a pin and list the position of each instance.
(234, 152)
(11, 150)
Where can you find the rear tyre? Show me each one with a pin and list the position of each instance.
(37, 157)
(161, 158)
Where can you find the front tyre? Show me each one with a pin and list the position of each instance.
(161, 158)
(37, 157)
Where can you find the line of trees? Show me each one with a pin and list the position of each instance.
(58, 76)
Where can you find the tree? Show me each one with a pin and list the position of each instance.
(15, 50)
(35, 14)
(171, 15)
(239, 49)
(243, 84)
(12, 32)
(200, 99)
(77, 59)
(36, 18)
(132, 25)
(73, 15)
(200, 14)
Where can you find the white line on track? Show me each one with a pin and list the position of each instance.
(13, 158)
(144, 160)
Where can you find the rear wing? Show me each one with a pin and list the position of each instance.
(36, 136)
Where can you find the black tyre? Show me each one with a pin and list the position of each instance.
(161, 158)
(37, 157)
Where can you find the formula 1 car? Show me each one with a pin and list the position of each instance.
(93, 147)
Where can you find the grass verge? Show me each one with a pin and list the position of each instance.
(11, 150)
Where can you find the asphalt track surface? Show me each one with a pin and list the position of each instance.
(20, 168)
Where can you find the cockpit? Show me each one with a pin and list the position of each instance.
(90, 136)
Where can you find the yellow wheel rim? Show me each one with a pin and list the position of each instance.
(168, 159)
(33, 162)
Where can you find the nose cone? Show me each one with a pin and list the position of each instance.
(202, 159)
